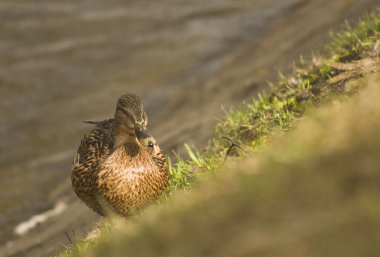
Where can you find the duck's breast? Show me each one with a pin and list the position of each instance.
(130, 182)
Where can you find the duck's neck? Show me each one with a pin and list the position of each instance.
(124, 137)
(130, 146)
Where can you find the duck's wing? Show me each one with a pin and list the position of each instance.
(94, 147)
(161, 162)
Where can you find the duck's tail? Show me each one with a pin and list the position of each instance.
(101, 124)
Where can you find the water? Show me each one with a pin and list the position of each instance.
(67, 61)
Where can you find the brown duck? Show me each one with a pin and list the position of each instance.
(119, 165)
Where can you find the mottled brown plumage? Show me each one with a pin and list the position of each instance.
(119, 164)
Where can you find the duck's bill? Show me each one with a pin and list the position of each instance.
(143, 134)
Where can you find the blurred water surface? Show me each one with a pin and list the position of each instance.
(62, 62)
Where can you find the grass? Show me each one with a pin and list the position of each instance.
(313, 192)
(283, 105)
(279, 110)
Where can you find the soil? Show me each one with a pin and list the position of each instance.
(67, 61)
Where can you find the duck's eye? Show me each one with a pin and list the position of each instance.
(150, 144)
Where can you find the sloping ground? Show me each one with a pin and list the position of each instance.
(313, 192)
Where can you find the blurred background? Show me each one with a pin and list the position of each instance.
(62, 62)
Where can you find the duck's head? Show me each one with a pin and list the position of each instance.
(130, 120)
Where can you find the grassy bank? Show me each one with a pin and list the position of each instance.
(349, 55)
(301, 178)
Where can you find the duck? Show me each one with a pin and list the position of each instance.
(119, 167)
